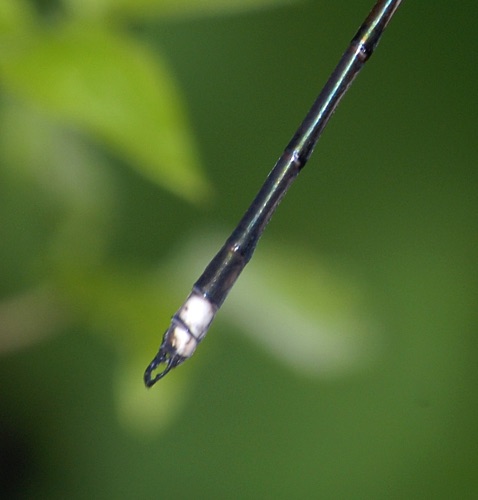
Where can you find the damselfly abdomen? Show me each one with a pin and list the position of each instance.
(191, 322)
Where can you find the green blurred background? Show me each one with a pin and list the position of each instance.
(133, 136)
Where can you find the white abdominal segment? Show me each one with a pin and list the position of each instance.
(194, 317)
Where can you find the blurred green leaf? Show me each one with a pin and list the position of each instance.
(307, 311)
(115, 90)
(310, 314)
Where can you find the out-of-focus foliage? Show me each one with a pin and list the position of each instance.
(96, 78)
(344, 362)
(78, 91)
